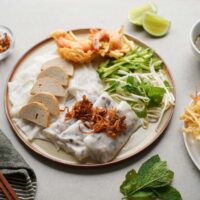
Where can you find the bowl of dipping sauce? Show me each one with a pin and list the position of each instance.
(7, 42)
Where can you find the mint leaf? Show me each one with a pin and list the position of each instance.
(158, 177)
(142, 195)
(151, 182)
(168, 193)
(129, 183)
(146, 166)
(130, 175)
(153, 173)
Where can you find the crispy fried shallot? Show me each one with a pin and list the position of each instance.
(98, 119)
(4, 42)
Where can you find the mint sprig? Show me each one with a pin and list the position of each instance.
(152, 181)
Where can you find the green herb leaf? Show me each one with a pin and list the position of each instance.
(151, 182)
(112, 86)
(168, 193)
(156, 176)
(166, 83)
(142, 195)
(155, 94)
(154, 173)
(141, 114)
(129, 183)
(148, 165)
(133, 86)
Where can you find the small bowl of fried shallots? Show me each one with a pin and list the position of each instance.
(7, 42)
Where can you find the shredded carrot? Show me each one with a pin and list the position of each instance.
(98, 119)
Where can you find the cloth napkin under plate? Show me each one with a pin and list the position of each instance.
(17, 172)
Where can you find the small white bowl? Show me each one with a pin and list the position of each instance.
(194, 33)
(5, 54)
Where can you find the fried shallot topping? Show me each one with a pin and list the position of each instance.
(4, 42)
(98, 119)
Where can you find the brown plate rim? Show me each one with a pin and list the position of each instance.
(81, 165)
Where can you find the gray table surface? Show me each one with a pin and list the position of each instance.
(32, 21)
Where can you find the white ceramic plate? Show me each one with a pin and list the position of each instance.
(193, 148)
(137, 143)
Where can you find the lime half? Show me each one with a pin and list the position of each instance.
(137, 13)
(155, 25)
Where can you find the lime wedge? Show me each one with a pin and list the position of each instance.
(137, 13)
(155, 25)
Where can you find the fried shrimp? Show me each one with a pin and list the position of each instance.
(114, 39)
(73, 49)
(110, 43)
(100, 42)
